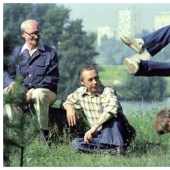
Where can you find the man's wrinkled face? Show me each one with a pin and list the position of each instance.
(32, 33)
(90, 80)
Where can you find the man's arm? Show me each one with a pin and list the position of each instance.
(71, 114)
(110, 109)
(70, 104)
(89, 133)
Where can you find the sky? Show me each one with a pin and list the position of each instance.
(96, 15)
(105, 12)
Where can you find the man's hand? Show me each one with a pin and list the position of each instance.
(71, 114)
(10, 88)
(28, 98)
(29, 94)
(88, 135)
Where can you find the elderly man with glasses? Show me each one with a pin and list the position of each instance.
(37, 64)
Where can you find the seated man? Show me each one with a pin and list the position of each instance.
(110, 130)
(37, 64)
(153, 42)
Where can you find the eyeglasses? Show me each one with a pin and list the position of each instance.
(38, 33)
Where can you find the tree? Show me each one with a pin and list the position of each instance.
(143, 88)
(13, 15)
(52, 21)
(9, 44)
(76, 50)
(111, 52)
(74, 47)
(19, 133)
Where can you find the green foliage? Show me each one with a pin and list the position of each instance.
(9, 44)
(82, 124)
(21, 130)
(147, 150)
(135, 88)
(110, 73)
(143, 88)
(75, 48)
(113, 51)
(75, 51)
(52, 19)
(17, 97)
(60, 131)
(13, 15)
(18, 134)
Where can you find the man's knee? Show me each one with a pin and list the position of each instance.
(76, 143)
(44, 95)
(38, 92)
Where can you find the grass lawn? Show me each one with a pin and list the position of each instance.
(111, 73)
(147, 150)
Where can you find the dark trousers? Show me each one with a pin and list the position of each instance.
(157, 40)
(115, 132)
(153, 68)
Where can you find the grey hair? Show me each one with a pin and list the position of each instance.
(23, 24)
(80, 77)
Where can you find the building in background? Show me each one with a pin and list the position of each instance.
(162, 19)
(131, 22)
(104, 31)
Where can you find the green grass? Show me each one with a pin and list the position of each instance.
(147, 150)
(111, 73)
(114, 72)
(168, 83)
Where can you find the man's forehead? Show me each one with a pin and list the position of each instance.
(32, 25)
(89, 73)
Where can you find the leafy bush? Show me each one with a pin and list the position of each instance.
(143, 88)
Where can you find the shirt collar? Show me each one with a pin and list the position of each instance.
(39, 47)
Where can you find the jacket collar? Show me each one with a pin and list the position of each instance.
(39, 47)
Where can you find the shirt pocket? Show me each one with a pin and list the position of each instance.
(21, 69)
(41, 68)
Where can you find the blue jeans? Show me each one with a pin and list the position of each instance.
(115, 132)
(157, 40)
(152, 68)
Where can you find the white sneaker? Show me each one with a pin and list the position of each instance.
(132, 65)
(135, 44)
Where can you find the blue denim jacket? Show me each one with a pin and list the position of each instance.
(38, 71)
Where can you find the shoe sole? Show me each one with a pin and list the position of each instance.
(131, 66)
(131, 46)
